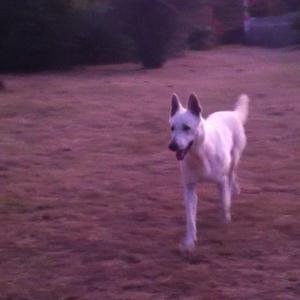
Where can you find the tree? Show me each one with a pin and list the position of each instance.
(34, 34)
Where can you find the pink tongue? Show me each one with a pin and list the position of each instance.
(179, 155)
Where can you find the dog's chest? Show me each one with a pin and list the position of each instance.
(194, 169)
(197, 169)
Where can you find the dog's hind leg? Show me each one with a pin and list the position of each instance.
(234, 184)
(233, 178)
(225, 198)
(233, 181)
(190, 200)
(236, 152)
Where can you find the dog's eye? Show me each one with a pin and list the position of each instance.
(186, 128)
(172, 128)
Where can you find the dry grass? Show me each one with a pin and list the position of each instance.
(90, 205)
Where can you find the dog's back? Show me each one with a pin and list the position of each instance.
(232, 121)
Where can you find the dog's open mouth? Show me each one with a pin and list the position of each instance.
(180, 154)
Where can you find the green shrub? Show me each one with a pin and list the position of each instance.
(99, 38)
(202, 39)
(152, 25)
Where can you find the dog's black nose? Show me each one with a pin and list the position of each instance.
(173, 147)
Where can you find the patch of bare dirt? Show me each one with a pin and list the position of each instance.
(90, 200)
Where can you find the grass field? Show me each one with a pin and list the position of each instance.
(90, 196)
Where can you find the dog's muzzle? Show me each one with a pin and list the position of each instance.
(180, 154)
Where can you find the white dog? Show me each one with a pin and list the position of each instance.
(208, 150)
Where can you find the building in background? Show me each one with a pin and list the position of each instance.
(269, 23)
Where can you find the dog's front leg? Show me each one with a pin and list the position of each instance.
(225, 198)
(190, 201)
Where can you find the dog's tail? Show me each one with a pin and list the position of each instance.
(242, 108)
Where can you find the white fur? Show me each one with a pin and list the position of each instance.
(217, 145)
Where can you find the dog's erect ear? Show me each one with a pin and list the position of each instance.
(194, 105)
(175, 105)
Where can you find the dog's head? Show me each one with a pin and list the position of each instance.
(184, 124)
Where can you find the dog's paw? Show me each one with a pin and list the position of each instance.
(187, 245)
(226, 218)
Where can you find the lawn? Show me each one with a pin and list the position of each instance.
(90, 197)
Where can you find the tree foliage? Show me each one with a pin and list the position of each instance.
(153, 25)
(34, 34)
(296, 26)
(42, 34)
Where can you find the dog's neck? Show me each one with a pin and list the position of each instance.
(199, 142)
